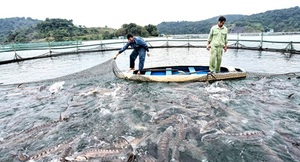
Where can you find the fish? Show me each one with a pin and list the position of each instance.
(180, 135)
(94, 153)
(54, 88)
(163, 145)
(65, 154)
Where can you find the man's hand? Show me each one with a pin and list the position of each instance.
(208, 47)
(225, 48)
(116, 56)
(148, 54)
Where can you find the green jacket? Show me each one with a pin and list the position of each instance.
(218, 36)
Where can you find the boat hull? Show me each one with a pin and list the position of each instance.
(190, 73)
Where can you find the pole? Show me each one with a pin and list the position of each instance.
(237, 40)
(50, 52)
(261, 41)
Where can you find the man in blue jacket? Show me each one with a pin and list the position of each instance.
(139, 48)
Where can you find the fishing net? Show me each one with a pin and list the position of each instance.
(108, 70)
(101, 72)
(120, 74)
(252, 75)
(116, 70)
(105, 71)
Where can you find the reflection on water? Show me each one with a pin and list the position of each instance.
(101, 117)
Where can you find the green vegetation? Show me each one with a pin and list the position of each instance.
(284, 20)
(9, 26)
(146, 31)
(23, 30)
(64, 30)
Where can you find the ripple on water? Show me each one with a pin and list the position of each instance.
(218, 118)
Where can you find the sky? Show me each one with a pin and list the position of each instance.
(115, 13)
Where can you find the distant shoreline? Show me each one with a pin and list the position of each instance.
(204, 36)
(269, 33)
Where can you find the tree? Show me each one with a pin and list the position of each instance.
(120, 32)
(106, 35)
(152, 30)
(137, 30)
(10, 25)
(58, 28)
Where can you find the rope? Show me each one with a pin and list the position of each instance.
(102, 47)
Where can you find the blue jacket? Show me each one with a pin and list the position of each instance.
(136, 44)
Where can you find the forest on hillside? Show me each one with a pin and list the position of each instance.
(8, 25)
(21, 30)
(283, 20)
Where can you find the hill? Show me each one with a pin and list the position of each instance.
(190, 27)
(8, 25)
(283, 20)
(23, 30)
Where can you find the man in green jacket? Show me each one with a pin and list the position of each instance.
(217, 41)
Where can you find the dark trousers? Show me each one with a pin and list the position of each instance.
(138, 52)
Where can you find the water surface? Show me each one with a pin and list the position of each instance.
(251, 119)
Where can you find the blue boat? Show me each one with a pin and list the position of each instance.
(186, 73)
